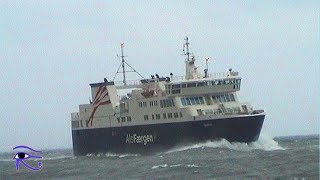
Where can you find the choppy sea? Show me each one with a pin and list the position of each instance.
(294, 157)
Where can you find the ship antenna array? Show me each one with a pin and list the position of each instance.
(122, 64)
(186, 46)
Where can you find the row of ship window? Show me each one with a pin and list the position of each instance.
(204, 83)
(223, 98)
(187, 101)
(163, 103)
(192, 101)
(164, 116)
(124, 119)
(176, 88)
(152, 116)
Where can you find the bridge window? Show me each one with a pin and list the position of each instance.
(169, 115)
(200, 84)
(146, 117)
(176, 86)
(176, 91)
(192, 101)
(232, 97)
(191, 84)
(157, 116)
(166, 103)
(176, 115)
(223, 98)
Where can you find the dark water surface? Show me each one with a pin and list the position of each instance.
(294, 157)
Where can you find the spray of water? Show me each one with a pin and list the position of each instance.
(265, 143)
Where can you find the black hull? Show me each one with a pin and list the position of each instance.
(147, 139)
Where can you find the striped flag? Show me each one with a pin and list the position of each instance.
(98, 101)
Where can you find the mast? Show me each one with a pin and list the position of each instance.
(187, 48)
(123, 69)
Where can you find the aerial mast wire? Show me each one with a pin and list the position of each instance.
(187, 48)
(123, 69)
(122, 64)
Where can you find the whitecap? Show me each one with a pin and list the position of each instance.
(159, 166)
(192, 165)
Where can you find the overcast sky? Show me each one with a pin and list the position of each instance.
(51, 50)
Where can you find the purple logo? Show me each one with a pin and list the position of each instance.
(21, 156)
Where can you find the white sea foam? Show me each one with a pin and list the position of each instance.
(265, 143)
(54, 158)
(174, 165)
(159, 166)
(121, 155)
(192, 165)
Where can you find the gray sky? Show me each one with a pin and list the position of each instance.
(51, 50)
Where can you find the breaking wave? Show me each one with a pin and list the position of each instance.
(111, 155)
(265, 143)
(174, 165)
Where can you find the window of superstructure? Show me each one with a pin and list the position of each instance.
(123, 119)
(191, 84)
(155, 103)
(180, 114)
(166, 103)
(227, 98)
(175, 115)
(164, 115)
(176, 91)
(151, 103)
(197, 100)
(176, 86)
(157, 116)
(192, 101)
(169, 115)
(128, 118)
(152, 116)
(144, 104)
(183, 85)
(232, 97)
(214, 98)
(201, 100)
(183, 101)
(146, 117)
(118, 120)
(200, 84)
(188, 102)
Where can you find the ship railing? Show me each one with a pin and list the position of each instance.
(210, 76)
(75, 116)
(128, 83)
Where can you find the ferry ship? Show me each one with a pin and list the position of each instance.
(159, 113)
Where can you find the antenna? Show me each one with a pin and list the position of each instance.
(122, 64)
(206, 70)
(187, 48)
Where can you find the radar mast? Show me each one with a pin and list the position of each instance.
(122, 64)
